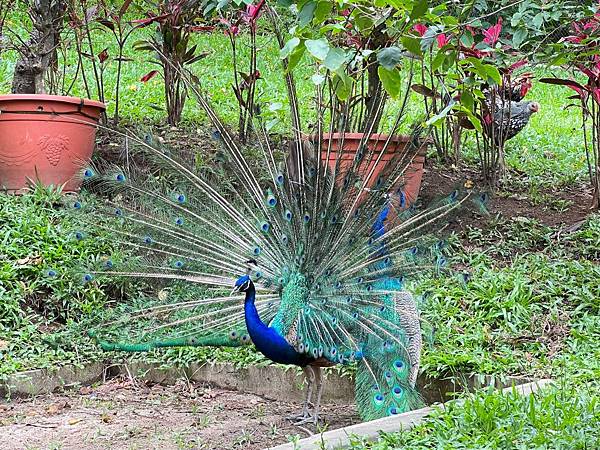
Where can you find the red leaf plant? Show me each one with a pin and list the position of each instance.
(492, 34)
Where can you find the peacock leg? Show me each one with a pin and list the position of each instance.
(309, 374)
(319, 381)
(314, 417)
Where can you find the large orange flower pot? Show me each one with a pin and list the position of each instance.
(398, 144)
(45, 138)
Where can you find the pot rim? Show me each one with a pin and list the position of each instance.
(52, 99)
(372, 137)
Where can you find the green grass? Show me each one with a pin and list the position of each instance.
(554, 419)
(36, 305)
(532, 308)
(44, 317)
(536, 314)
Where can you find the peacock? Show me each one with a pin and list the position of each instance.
(320, 249)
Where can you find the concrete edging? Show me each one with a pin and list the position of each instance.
(340, 438)
(44, 381)
(271, 381)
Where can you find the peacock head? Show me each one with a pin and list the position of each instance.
(244, 283)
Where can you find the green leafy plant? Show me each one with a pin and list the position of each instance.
(361, 45)
(581, 51)
(172, 48)
(236, 22)
(113, 19)
(558, 417)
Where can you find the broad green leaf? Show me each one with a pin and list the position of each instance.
(307, 13)
(466, 99)
(519, 37)
(466, 39)
(419, 9)
(342, 84)
(318, 48)
(391, 80)
(475, 121)
(438, 60)
(450, 60)
(442, 114)
(413, 45)
(296, 56)
(493, 73)
(323, 11)
(288, 47)
(361, 20)
(335, 58)
(389, 57)
(332, 28)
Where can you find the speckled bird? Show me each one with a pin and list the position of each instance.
(510, 118)
(507, 113)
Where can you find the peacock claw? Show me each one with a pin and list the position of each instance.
(295, 417)
(308, 419)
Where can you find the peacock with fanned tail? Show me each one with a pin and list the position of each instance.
(320, 256)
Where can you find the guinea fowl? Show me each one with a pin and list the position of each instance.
(505, 112)
(506, 120)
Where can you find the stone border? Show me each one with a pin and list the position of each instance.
(272, 381)
(340, 438)
(44, 381)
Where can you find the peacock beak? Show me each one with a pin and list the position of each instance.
(235, 290)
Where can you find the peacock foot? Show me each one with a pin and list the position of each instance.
(299, 416)
(308, 418)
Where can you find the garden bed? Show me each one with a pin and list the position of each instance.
(210, 406)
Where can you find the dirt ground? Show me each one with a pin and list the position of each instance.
(125, 414)
(511, 202)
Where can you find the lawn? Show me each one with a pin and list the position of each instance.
(530, 306)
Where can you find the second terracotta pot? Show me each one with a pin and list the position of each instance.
(350, 143)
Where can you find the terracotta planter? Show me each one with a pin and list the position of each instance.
(414, 174)
(45, 138)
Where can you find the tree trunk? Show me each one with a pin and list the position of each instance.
(374, 89)
(39, 52)
(373, 97)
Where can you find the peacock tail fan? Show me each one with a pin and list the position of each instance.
(392, 360)
(334, 240)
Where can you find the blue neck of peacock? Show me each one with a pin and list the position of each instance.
(250, 312)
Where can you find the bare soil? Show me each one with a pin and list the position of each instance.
(128, 414)
(561, 207)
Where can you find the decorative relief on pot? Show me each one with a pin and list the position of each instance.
(8, 159)
(53, 147)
